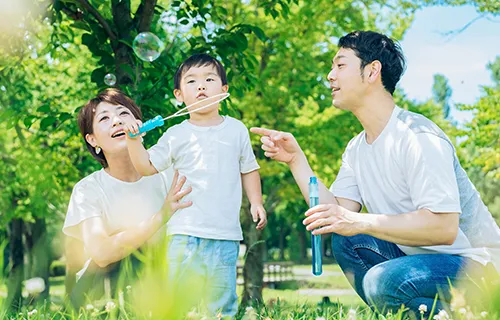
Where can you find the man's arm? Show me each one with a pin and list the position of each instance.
(301, 171)
(418, 228)
(283, 147)
(253, 190)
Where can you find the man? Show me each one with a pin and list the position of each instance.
(426, 225)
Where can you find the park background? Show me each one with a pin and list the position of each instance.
(54, 56)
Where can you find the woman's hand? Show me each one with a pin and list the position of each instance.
(175, 194)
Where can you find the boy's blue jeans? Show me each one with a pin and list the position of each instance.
(385, 278)
(213, 262)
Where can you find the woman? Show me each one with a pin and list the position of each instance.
(115, 210)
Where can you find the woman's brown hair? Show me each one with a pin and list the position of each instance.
(87, 113)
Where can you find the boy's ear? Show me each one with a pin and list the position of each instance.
(178, 95)
(225, 88)
(91, 139)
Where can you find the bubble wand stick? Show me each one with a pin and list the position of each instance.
(159, 120)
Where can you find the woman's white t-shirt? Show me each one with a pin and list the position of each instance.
(121, 205)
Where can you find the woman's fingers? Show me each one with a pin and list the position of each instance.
(180, 184)
(174, 179)
(182, 205)
(179, 195)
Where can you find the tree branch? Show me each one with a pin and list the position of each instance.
(453, 33)
(144, 15)
(87, 6)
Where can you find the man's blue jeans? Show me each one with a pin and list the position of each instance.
(385, 278)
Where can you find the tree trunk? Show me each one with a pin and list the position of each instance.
(253, 269)
(303, 238)
(28, 249)
(282, 243)
(41, 256)
(16, 261)
(123, 53)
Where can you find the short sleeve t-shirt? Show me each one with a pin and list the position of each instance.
(413, 165)
(121, 205)
(212, 159)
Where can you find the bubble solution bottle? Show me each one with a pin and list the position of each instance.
(317, 268)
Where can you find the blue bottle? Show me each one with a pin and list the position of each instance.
(317, 267)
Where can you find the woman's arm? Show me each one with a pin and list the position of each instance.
(105, 249)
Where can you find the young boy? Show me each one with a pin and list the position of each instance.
(215, 154)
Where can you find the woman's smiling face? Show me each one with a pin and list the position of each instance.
(108, 127)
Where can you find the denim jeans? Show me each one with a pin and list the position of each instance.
(211, 262)
(385, 278)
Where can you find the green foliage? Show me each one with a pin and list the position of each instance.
(481, 148)
(42, 146)
(277, 54)
(441, 91)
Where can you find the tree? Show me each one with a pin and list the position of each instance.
(441, 91)
(480, 150)
(39, 147)
(103, 32)
(292, 94)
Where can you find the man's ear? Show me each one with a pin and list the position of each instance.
(374, 71)
(91, 139)
(178, 95)
(225, 88)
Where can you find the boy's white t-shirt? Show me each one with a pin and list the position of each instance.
(412, 165)
(122, 205)
(212, 159)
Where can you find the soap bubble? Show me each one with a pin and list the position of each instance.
(110, 79)
(147, 46)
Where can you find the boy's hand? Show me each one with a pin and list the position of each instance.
(132, 126)
(259, 213)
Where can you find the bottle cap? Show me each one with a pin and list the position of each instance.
(313, 180)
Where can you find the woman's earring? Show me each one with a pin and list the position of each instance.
(97, 150)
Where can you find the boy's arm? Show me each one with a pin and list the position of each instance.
(253, 190)
(140, 157)
(138, 154)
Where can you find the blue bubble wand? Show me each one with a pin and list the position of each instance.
(159, 120)
(317, 267)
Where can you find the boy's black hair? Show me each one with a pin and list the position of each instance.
(199, 60)
(370, 46)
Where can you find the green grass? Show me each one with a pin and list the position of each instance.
(285, 303)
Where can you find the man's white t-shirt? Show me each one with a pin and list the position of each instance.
(413, 165)
(122, 205)
(212, 159)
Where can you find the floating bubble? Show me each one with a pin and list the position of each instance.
(147, 46)
(110, 79)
